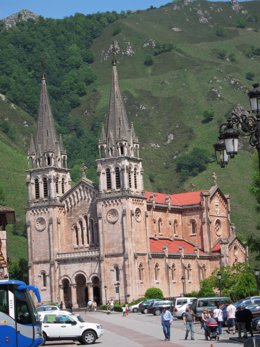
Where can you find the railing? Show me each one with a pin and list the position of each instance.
(78, 254)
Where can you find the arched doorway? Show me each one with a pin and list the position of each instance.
(96, 289)
(80, 290)
(66, 292)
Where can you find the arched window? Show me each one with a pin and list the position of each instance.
(44, 279)
(188, 272)
(45, 187)
(92, 230)
(193, 227)
(218, 227)
(76, 231)
(175, 227)
(87, 228)
(81, 232)
(121, 149)
(135, 178)
(172, 270)
(159, 226)
(129, 179)
(117, 270)
(141, 272)
(49, 160)
(118, 178)
(108, 178)
(37, 188)
(57, 184)
(156, 272)
(63, 185)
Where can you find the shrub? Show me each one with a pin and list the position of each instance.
(148, 60)
(207, 117)
(250, 76)
(154, 293)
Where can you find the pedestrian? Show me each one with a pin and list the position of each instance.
(61, 305)
(90, 305)
(126, 310)
(248, 319)
(112, 305)
(166, 321)
(123, 310)
(189, 320)
(218, 315)
(231, 315)
(94, 305)
(70, 306)
(241, 321)
(204, 318)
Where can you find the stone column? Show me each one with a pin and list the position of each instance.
(74, 295)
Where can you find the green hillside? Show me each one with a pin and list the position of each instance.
(177, 65)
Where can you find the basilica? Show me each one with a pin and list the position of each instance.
(117, 240)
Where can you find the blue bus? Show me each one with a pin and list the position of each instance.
(19, 322)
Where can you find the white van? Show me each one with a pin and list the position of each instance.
(181, 301)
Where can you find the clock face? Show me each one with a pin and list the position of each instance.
(40, 223)
(112, 216)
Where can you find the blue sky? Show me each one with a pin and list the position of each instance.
(64, 8)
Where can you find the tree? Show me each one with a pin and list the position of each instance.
(154, 293)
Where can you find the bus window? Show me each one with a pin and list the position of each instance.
(3, 301)
(23, 315)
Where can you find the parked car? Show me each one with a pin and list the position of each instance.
(47, 307)
(207, 303)
(157, 306)
(182, 300)
(143, 305)
(256, 323)
(63, 325)
(134, 308)
(251, 300)
(178, 313)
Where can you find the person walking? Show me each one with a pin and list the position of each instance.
(126, 310)
(231, 315)
(241, 321)
(218, 315)
(204, 318)
(248, 320)
(189, 320)
(166, 321)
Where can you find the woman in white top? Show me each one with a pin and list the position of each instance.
(218, 315)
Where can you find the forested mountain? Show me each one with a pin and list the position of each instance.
(182, 68)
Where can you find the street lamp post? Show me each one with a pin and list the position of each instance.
(240, 122)
(183, 285)
(105, 287)
(219, 276)
(256, 271)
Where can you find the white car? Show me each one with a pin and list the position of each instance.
(134, 308)
(46, 307)
(181, 305)
(63, 325)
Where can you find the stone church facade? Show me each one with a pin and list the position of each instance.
(116, 240)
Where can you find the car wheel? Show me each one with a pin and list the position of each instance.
(44, 339)
(157, 312)
(88, 337)
(145, 311)
(135, 310)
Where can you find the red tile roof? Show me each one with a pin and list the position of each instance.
(156, 246)
(216, 248)
(181, 199)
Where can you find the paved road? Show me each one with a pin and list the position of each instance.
(139, 330)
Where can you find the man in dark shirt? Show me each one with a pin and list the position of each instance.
(248, 320)
(189, 319)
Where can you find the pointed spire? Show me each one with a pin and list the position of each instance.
(46, 137)
(117, 118)
(62, 149)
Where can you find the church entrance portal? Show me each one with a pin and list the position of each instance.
(81, 290)
(66, 292)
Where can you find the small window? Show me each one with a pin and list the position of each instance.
(193, 227)
(37, 188)
(45, 187)
(118, 179)
(129, 179)
(108, 178)
(135, 178)
(63, 186)
(57, 184)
